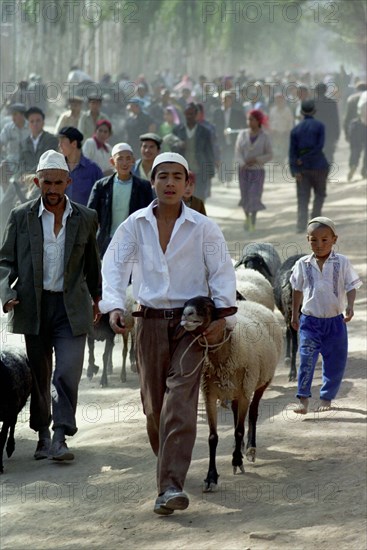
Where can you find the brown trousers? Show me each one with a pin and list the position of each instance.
(169, 397)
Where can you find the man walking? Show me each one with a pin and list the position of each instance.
(49, 275)
(308, 164)
(172, 253)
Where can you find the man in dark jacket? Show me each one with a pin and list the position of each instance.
(116, 197)
(308, 164)
(49, 275)
(228, 117)
(327, 112)
(197, 148)
(137, 123)
(36, 143)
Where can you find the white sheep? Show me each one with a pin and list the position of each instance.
(252, 285)
(239, 370)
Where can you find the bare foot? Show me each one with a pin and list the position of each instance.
(323, 406)
(302, 407)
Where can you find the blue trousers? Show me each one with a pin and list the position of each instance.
(55, 336)
(328, 337)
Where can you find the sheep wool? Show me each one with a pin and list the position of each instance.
(248, 360)
(253, 286)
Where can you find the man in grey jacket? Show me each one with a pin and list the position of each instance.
(49, 275)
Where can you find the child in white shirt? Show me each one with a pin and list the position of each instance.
(320, 283)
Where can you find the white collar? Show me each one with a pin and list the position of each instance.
(67, 212)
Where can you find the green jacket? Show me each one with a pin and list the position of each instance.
(21, 268)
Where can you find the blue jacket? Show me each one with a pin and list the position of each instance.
(306, 143)
(83, 177)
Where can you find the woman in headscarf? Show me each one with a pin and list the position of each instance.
(97, 147)
(252, 150)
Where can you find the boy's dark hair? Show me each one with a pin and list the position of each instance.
(35, 111)
(192, 105)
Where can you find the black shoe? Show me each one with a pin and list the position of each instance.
(59, 451)
(172, 499)
(43, 448)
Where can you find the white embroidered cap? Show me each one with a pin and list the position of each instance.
(170, 157)
(324, 221)
(51, 160)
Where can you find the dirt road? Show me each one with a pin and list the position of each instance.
(307, 488)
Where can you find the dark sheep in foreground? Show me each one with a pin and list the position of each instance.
(239, 369)
(283, 300)
(15, 388)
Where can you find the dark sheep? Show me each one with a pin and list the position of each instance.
(15, 388)
(283, 300)
(263, 258)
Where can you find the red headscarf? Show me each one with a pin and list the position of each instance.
(260, 117)
(102, 122)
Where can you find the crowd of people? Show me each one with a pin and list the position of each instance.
(208, 121)
(139, 206)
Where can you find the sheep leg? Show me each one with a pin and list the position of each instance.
(125, 339)
(92, 367)
(241, 408)
(132, 352)
(107, 361)
(293, 371)
(211, 480)
(10, 446)
(3, 438)
(252, 421)
(288, 344)
(234, 407)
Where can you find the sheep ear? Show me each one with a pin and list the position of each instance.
(179, 332)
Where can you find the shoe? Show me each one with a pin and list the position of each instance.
(43, 448)
(59, 451)
(172, 499)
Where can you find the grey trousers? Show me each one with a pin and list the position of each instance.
(55, 335)
(169, 393)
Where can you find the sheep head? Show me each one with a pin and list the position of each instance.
(198, 313)
(257, 262)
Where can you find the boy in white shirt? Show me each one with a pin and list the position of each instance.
(320, 282)
(172, 253)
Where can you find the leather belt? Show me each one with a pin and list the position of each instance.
(52, 291)
(151, 313)
(175, 313)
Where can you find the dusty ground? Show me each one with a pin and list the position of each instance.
(307, 488)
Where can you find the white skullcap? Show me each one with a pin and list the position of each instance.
(51, 160)
(119, 147)
(324, 221)
(170, 157)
